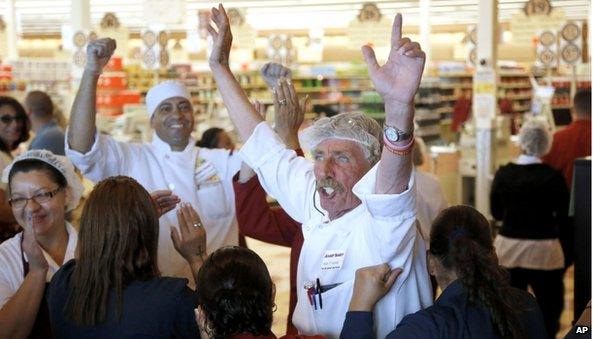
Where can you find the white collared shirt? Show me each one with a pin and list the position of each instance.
(381, 229)
(11, 263)
(204, 180)
(540, 254)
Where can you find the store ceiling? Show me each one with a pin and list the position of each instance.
(40, 17)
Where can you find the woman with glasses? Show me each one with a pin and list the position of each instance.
(42, 188)
(14, 129)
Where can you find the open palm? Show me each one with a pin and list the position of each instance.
(398, 79)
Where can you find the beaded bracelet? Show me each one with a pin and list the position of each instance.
(401, 150)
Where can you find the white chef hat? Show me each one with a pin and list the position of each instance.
(356, 127)
(163, 91)
(62, 164)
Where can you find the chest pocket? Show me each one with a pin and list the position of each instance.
(212, 199)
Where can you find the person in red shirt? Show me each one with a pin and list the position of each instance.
(255, 217)
(573, 141)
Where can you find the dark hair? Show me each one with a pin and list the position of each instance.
(25, 126)
(29, 165)
(209, 138)
(235, 292)
(117, 244)
(582, 103)
(39, 104)
(461, 238)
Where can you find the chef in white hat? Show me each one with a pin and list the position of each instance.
(170, 165)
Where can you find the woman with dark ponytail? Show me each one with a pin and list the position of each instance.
(477, 300)
(236, 296)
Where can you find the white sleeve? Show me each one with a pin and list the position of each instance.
(393, 216)
(284, 175)
(6, 291)
(106, 158)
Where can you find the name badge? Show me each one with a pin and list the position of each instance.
(332, 260)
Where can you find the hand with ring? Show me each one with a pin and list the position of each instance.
(190, 240)
(289, 112)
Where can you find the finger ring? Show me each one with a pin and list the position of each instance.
(197, 224)
(282, 102)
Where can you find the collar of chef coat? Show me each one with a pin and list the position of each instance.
(527, 160)
(163, 147)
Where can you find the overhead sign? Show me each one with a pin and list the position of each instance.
(369, 27)
(525, 28)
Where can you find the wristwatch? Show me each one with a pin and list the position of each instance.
(394, 134)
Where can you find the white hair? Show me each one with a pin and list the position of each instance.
(535, 138)
(356, 127)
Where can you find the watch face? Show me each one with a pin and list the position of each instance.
(391, 134)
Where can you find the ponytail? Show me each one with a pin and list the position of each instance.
(235, 292)
(487, 285)
(461, 239)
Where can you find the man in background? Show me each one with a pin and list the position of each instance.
(573, 141)
(48, 134)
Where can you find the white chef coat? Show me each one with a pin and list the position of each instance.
(381, 229)
(535, 254)
(204, 182)
(430, 201)
(11, 263)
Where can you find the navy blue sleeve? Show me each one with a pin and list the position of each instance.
(185, 325)
(532, 319)
(358, 325)
(415, 326)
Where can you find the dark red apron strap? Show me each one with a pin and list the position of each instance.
(41, 327)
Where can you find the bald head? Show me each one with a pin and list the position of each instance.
(39, 104)
(582, 104)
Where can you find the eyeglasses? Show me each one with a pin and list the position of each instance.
(7, 119)
(20, 202)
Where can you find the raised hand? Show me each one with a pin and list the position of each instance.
(272, 72)
(222, 38)
(190, 241)
(370, 285)
(398, 79)
(31, 247)
(289, 112)
(165, 201)
(98, 54)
